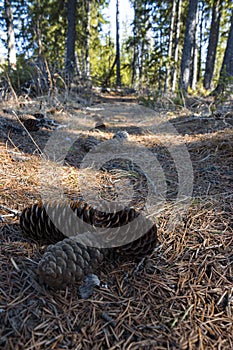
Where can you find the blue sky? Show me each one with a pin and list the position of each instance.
(125, 14)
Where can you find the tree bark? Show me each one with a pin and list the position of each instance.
(193, 77)
(88, 29)
(118, 58)
(200, 39)
(11, 50)
(176, 51)
(170, 46)
(227, 65)
(213, 42)
(186, 61)
(70, 63)
(135, 48)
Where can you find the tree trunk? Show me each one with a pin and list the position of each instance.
(70, 63)
(118, 58)
(141, 66)
(201, 39)
(10, 36)
(193, 80)
(186, 61)
(135, 49)
(170, 47)
(213, 42)
(176, 50)
(88, 29)
(227, 65)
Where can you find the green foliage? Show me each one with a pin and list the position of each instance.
(179, 100)
(102, 57)
(41, 28)
(23, 73)
(150, 98)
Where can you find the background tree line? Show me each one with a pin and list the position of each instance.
(173, 45)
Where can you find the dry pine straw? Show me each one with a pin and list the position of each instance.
(181, 297)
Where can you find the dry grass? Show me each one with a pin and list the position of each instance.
(181, 297)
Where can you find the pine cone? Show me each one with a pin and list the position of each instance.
(36, 224)
(89, 143)
(30, 122)
(121, 136)
(141, 247)
(67, 262)
(38, 221)
(100, 125)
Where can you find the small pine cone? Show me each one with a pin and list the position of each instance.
(100, 125)
(39, 115)
(67, 262)
(30, 122)
(121, 136)
(89, 143)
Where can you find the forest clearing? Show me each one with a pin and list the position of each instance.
(179, 297)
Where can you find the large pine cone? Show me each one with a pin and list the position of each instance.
(141, 247)
(38, 221)
(68, 261)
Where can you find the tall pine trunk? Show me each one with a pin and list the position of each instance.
(227, 65)
(118, 57)
(186, 61)
(176, 49)
(201, 39)
(170, 46)
(213, 42)
(193, 77)
(135, 48)
(11, 50)
(70, 63)
(88, 36)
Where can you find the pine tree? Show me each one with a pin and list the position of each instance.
(70, 63)
(170, 47)
(186, 61)
(118, 57)
(10, 35)
(212, 45)
(176, 46)
(226, 72)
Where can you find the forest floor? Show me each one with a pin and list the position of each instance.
(180, 297)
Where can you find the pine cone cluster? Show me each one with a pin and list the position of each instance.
(68, 260)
